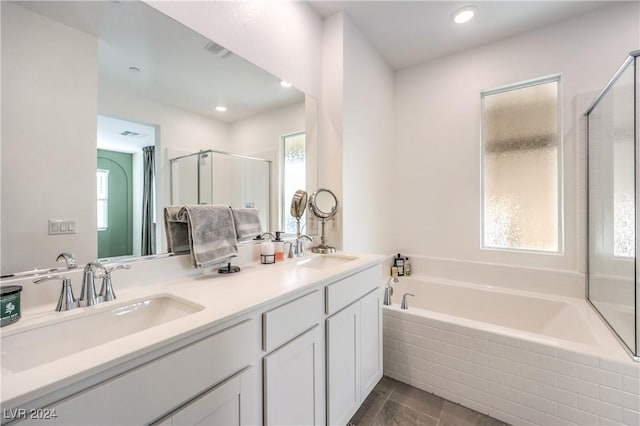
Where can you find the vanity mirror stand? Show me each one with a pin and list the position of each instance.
(324, 205)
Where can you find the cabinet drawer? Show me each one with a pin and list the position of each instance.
(287, 321)
(346, 291)
(149, 392)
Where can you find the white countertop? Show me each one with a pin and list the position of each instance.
(223, 298)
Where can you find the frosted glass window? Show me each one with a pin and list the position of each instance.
(520, 159)
(624, 217)
(103, 198)
(294, 176)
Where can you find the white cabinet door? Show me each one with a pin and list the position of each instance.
(226, 404)
(293, 382)
(343, 370)
(370, 342)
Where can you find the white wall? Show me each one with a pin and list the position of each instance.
(436, 195)
(283, 38)
(331, 115)
(41, 131)
(356, 133)
(368, 146)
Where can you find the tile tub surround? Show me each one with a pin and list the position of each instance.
(519, 381)
(395, 403)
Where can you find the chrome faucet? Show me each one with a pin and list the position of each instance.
(297, 246)
(405, 304)
(106, 291)
(66, 301)
(68, 259)
(88, 296)
(388, 290)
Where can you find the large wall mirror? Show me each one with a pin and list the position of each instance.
(96, 94)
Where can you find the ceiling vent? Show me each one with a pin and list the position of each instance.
(217, 50)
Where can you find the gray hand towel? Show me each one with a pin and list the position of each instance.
(177, 231)
(247, 223)
(212, 234)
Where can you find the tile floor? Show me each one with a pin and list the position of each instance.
(394, 403)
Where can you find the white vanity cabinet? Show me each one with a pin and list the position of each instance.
(172, 385)
(227, 404)
(354, 338)
(293, 370)
(308, 356)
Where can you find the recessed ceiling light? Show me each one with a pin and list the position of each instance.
(134, 69)
(463, 15)
(285, 83)
(221, 108)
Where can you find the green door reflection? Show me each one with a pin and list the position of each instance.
(116, 239)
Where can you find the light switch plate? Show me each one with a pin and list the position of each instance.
(62, 226)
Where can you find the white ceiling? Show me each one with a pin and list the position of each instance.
(124, 136)
(175, 68)
(407, 33)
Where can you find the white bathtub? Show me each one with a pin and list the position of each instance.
(518, 356)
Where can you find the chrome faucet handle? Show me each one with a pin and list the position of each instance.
(68, 259)
(66, 301)
(110, 269)
(391, 281)
(405, 303)
(106, 291)
(292, 250)
(88, 296)
(299, 251)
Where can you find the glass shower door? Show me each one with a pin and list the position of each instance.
(612, 206)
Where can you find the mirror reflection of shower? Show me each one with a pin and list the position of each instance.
(214, 177)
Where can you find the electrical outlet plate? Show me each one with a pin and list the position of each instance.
(62, 226)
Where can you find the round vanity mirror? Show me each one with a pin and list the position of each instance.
(324, 203)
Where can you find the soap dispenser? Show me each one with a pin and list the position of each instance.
(267, 252)
(279, 246)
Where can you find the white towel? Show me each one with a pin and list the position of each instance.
(212, 234)
(247, 222)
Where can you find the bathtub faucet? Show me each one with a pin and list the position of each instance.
(405, 304)
(388, 290)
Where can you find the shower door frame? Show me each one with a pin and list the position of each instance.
(633, 58)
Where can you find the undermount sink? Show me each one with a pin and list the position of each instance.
(324, 261)
(38, 346)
